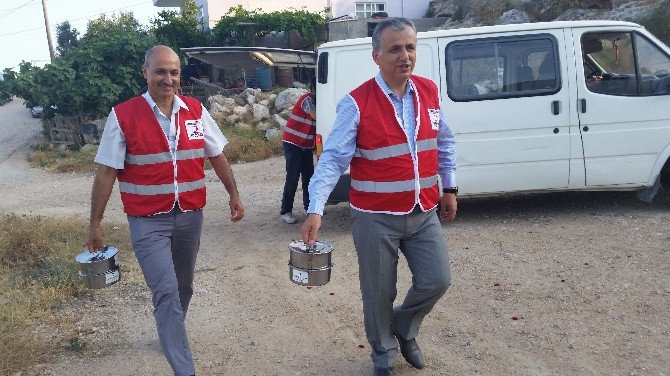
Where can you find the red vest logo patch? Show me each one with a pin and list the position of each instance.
(194, 129)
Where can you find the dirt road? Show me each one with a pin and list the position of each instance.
(554, 284)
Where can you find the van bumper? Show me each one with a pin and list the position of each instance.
(341, 191)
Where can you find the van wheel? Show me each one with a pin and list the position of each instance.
(665, 177)
(665, 181)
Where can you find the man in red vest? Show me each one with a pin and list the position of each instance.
(155, 145)
(298, 139)
(393, 135)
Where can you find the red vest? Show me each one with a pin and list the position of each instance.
(150, 181)
(384, 177)
(301, 127)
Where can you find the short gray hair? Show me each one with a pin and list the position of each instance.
(396, 23)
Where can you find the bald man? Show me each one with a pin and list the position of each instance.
(155, 145)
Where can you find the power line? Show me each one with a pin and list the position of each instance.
(12, 10)
(71, 21)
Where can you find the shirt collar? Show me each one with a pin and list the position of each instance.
(385, 88)
(176, 103)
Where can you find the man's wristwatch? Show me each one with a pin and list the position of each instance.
(453, 190)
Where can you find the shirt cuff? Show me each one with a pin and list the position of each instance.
(448, 180)
(316, 207)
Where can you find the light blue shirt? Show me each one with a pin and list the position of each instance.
(341, 145)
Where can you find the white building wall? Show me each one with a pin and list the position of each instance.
(394, 8)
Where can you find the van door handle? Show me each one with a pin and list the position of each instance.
(555, 109)
(583, 106)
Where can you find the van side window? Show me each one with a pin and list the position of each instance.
(491, 68)
(625, 64)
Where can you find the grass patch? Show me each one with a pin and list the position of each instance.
(245, 145)
(38, 274)
(61, 160)
(248, 145)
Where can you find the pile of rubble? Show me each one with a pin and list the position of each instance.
(255, 109)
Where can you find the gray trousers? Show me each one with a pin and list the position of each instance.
(166, 247)
(378, 238)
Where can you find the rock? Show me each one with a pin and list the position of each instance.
(240, 110)
(280, 121)
(264, 125)
(217, 109)
(514, 16)
(272, 133)
(232, 119)
(287, 98)
(260, 112)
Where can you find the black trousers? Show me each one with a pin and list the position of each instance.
(299, 163)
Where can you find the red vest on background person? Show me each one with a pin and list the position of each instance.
(300, 129)
(149, 177)
(384, 176)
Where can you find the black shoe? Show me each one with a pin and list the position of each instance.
(410, 351)
(383, 371)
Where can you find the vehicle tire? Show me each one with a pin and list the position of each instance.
(665, 177)
(665, 181)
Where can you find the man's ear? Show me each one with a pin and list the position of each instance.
(375, 57)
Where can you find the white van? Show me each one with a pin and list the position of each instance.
(575, 105)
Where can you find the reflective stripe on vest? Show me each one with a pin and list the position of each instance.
(393, 186)
(299, 134)
(181, 155)
(302, 119)
(395, 150)
(160, 189)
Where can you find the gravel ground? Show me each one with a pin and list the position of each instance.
(551, 284)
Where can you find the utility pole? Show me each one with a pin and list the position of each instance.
(46, 24)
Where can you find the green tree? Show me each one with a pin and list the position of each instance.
(240, 26)
(104, 68)
(180, 29)
(5, 93)
(67, 38)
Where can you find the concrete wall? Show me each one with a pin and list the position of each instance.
(359, 28)
(394, 8)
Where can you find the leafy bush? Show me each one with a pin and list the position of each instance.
(240, 26)
(658, 22)
(93, 74)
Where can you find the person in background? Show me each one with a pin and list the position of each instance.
(392, 134)
(155, 145)
(298, 142)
